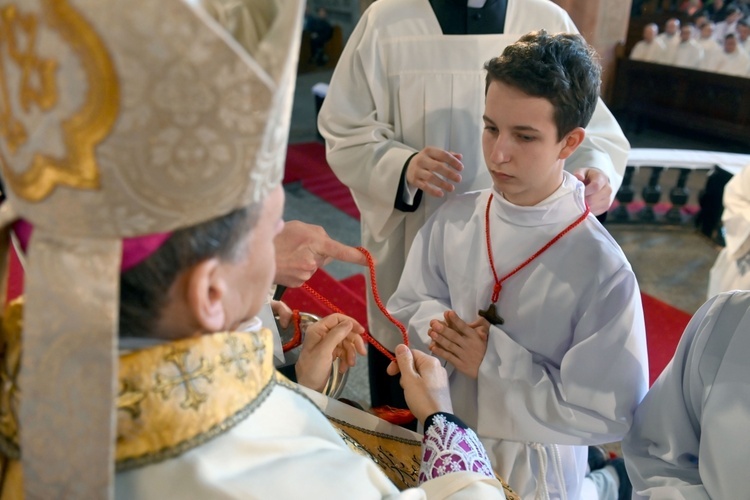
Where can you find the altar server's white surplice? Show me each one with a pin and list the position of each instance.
(402, 85)
(568, 367)
(690, 436)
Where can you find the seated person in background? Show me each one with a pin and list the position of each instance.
(192, 406)
(689, 438)
(671, 38)
(733, 60)
(717, 10)
(743, 34)
(731, 271)
(651, 48)
(698, 20)
(711, 48)
(566, 364)
(728, 25)
(688, 53)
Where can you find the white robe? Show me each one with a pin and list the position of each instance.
(690, 436)
(569, 366)
(301, 451)
(402, 85)
(654, 52)
(688, 55)
(735, 64)
(731, 271)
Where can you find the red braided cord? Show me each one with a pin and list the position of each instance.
(367, 336)
(297, 339)
(499, 282)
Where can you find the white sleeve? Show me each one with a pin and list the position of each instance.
(591, 396)
(360, 144)
(422, 294)
(689, 438)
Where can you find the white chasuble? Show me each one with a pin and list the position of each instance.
(568, 366)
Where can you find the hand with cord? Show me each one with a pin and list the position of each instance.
(424, 380)
(434, 171)
(335, 336)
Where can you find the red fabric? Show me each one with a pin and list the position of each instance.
(306, 162)
(664, 327)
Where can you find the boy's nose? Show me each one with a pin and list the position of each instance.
(500, 150)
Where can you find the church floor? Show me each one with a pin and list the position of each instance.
(671, 264)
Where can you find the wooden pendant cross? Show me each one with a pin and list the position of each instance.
(491, 315)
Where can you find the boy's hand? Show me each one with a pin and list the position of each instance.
(282, 312)
(434, 171)
(335, 336)
(460, 343)
(598, 190)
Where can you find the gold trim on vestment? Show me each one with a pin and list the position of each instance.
(82, 131)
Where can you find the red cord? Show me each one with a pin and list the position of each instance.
(499, 282)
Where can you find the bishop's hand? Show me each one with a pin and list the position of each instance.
(461, 344)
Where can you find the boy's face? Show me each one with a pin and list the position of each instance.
(520, 144)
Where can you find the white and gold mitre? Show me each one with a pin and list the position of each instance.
(121, 118)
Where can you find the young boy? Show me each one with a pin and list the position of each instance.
(689, 438)
(564, 364)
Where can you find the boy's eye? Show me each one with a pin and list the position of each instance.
(490, 128)
(526, 138)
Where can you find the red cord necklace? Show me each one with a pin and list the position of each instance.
(297, 339)
(490, 314)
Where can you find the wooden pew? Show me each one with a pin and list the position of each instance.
(710, 103)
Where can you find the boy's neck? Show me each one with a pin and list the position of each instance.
(532, 198)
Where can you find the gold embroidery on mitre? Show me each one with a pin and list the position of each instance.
(82, 131)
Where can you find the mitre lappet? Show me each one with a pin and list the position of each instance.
(121, 119)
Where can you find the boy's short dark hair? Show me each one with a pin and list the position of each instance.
(561, 68)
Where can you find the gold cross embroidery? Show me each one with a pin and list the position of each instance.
(129, 399)
(193, 397)
(238, 354)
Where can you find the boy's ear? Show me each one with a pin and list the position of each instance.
(206, 291)
(571, 142)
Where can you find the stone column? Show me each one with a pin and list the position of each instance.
(604, 24)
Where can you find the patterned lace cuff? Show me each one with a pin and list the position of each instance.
(449, 446)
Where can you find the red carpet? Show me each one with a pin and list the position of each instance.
(306, 162)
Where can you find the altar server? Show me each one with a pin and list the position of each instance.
(401, 123)
(519, 288)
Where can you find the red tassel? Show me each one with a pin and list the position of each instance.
(397, 416)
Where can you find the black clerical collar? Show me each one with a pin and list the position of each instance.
(456, 18)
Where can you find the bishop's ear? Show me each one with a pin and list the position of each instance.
(571, 141)
(206, 291)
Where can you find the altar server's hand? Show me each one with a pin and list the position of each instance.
(434, 171)
(302, 248)
(335, 336)
(460, 343)
(598, 190)
(425, 382)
